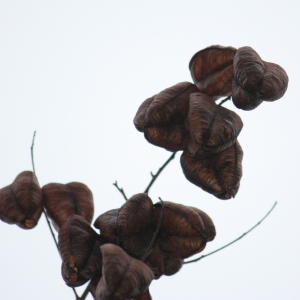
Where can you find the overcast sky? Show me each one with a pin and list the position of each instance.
(77, 71)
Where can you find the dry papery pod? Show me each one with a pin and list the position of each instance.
(218, 174)
(123, 277)
(184, 230)
(93, 286)
(130, 226)
(163, 263)
(212, 128)
(64, 200)
(162, 117)
(256, 80)
(79, 248)
(21, 201)
(212, 70)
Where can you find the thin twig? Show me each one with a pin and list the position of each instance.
(205, 255)
(120, 190)
(32, 159)
(85, 293)
(44, 211)
(154, 176)
(33, 168)
(224, 100)
(156, 231)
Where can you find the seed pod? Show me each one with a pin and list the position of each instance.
(184, 230)
(130, 227)
(212, 70)
(212, 128)
(162, 117)
(218, 174)
(256, 80)
(162, 263)
(64, 200)
(21, 202)
(79, 248)
(123, 276)
(145, 296)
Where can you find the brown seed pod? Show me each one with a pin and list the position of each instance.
(212, 128)
(79, 248)
(64, 200)
(218, 174)
(162, 263)
(256, 80)
(212, 70)
(123, 277)
(144, 296)
(130, 227)
(21, 202)
(172, 138)
(184, 230)
(162, 117)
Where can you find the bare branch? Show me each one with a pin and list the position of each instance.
(120, 190)
(154, 176)
(224, 100)
(44, 211)
(205, 255)
(31, 150)
(85, 293)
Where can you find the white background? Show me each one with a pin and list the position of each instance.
(77, 71)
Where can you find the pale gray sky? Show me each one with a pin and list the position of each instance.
(77, 71)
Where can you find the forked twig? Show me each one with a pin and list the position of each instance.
(120, 190)
(217, 250)
(154, 176)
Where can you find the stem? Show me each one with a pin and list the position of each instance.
(120, 190)
(154, 177)
(32, 158)
(44, 211)
(224, 100)
(85, 293)
(33, 168)
(205, 255)
(156, 230)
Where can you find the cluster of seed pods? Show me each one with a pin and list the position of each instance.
(186, 118)
(141, 241)
(136, 243)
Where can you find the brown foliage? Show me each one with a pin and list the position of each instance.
(21, 201)
(64, 200)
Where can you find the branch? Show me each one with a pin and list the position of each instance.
(224, 100)
(156, 231)
(205, 255)
(31, 150)
(85, 293)
(44, 211)
(120, 190)
(154, 177)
